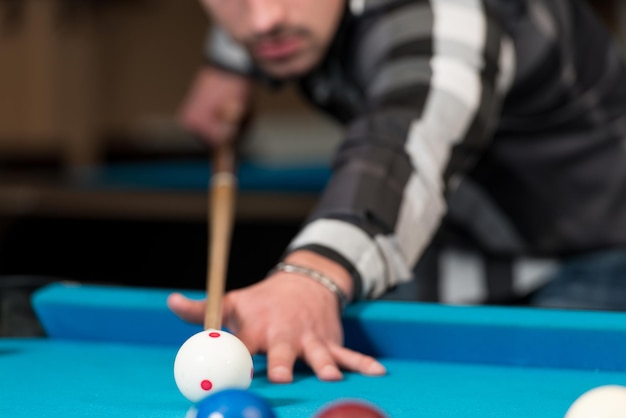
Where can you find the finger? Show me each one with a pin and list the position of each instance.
(228, 119)
(231, 112)
(355, 361)
(280, 361)
(229, 317)
(187, 309)
(224, 133)
(233, 325)
(318, 356)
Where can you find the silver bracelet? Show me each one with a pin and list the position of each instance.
(318, 277)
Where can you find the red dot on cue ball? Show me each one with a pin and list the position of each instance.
(206, 385)
(350, 409)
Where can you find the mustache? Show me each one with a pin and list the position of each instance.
(277, 33)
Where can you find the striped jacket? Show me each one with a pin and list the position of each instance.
(505, 118)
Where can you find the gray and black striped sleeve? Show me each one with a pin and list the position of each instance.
(434, 73)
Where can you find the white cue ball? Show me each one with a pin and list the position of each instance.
(602, 402)
(209, 361)
(192, 413)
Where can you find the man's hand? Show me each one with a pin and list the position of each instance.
(213, 95)
(287, 316)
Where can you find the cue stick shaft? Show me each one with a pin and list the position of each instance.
(220, 221)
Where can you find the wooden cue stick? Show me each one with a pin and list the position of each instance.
(220, 222)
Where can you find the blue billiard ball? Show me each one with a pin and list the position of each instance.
(234, 403)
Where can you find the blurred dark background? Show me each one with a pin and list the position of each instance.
(89, 94)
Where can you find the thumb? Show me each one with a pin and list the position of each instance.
(186, 309)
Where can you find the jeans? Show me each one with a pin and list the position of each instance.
(595, 281)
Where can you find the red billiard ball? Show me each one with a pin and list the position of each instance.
(350, 409)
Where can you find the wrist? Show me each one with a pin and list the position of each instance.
(318, 277)
(325, 266)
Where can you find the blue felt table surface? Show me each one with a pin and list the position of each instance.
(442, 361)
(153, 299)
(56, 378)
(491, 335)
(193, 175)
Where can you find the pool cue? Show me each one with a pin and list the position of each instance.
(220, 221)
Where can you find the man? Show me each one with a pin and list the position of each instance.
(508, 118)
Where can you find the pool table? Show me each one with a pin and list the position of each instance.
(109, 352)
(166, 190)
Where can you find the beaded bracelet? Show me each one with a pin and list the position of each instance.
(318, 277)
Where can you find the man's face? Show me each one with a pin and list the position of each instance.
(286, 38)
